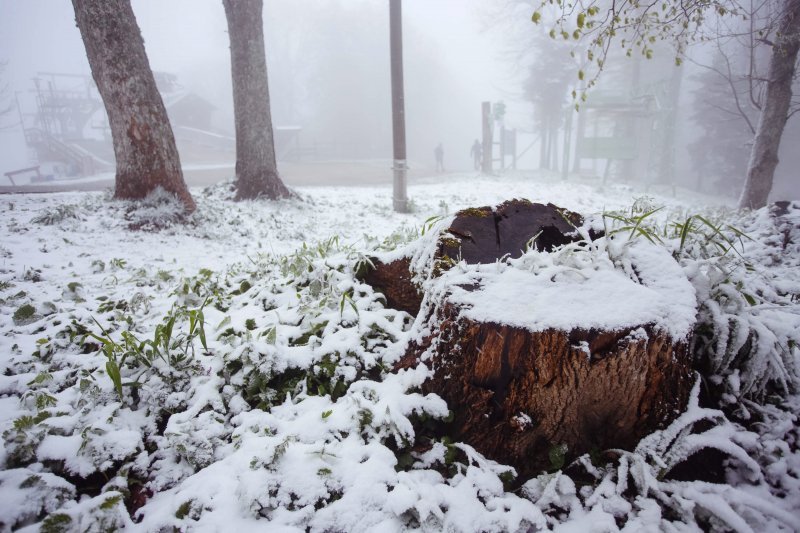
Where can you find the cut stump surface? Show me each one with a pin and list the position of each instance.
(542, 355)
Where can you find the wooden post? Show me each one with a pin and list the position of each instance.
(400, 197)
(502, 147)
(567, 144)
(514, 149)
(486, 113)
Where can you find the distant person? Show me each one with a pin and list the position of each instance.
(439, 153)
(477, 154)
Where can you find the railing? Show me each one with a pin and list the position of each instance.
(42, 140)
(34, 169)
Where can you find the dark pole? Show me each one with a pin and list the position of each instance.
(486, 112)
(400, 199)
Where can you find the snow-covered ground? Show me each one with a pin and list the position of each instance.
(231, 373)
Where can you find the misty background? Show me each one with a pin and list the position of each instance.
(328, 66)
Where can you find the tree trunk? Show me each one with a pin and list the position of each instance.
(477, 235)
(764, 154)
(554, 146)
(256, 167)
(529, 386)
(394, 280)
(544, 151)
(517, 396)
(144, 146)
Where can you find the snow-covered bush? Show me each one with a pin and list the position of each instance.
(289, 416)
(742, 266)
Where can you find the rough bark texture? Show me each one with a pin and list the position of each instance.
(517, 395)
(256, 167)
(393, 279)
(144, 146)
(764, 154)
(478, 235)
(485, 234)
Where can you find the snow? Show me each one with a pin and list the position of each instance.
(283, 415)
(543, 293)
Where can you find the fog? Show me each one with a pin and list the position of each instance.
(328, 63)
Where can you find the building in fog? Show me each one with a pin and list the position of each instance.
(68, 135)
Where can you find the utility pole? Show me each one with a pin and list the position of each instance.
(486, 114)
(400, 185)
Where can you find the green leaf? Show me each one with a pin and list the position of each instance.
(168, 332)
(581, 19)
(111, 502)
(225, 321)
(685, 229)
(326, 414)
(557, 456)
(24, 422)
(536, 17)
(41, 378)
(202, 320)
(271, 335)
(113, 372)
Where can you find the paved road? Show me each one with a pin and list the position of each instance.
(346, 173)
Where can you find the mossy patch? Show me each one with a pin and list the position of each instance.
(184, 510)
(480, 212)
(56, 523)
(25, 314)
(450, 242)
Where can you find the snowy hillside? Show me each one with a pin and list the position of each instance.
(232, 373)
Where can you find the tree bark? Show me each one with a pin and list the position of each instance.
(516, 395)
(394, 280)
(521, 395)
(256, 166)
(476, 235)
(144, 145)
(544, 149)
(764, 154)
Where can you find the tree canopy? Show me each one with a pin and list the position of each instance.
(635, 26)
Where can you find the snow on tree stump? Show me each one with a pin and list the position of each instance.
(554, 352)
(478, 235)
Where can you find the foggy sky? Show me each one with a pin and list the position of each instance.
(328, 63)
(189, 38)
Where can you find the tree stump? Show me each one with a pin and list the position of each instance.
(518, 396)
(394, 279)
(540, 361)
(478, 235)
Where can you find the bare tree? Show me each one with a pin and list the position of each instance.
(144, 145)
(775, 112)
(732, 94)
(640, 24)
(723, 116)
(256, 166)
(547, 87)
(5, 99)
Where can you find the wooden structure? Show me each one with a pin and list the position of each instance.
(34, 171)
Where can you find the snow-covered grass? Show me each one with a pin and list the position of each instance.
(232, 372)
